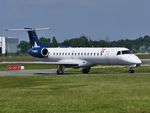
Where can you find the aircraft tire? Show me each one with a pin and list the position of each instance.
(86, 70)
(131, 71)
(60, 72)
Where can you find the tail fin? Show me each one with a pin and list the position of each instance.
(34, 41)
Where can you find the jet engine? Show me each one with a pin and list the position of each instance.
(38, 52)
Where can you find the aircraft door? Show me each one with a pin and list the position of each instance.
(118, 55)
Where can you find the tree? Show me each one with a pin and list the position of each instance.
(24, 46)
(45, 41)
(54, 42)
(78, 42)
(140, 44)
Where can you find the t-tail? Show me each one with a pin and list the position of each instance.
(34, 41)
(37, 49)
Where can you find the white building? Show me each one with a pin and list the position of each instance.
(8, 45)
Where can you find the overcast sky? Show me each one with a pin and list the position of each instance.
(97, 19)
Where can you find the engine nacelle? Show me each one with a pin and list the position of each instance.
(38, 52)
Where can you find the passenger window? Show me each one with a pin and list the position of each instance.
(119, 53)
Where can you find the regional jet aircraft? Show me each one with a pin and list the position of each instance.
(79, 57)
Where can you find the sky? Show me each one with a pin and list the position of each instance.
(97, 19)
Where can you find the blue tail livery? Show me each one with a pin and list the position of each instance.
(37, 49)
(34, 41)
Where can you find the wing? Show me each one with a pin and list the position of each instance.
(69, 62)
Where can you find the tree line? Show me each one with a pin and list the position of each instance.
(141, 44)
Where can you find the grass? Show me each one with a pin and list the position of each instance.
(24, 58)
(18, 58)
(75, 94)
(114, 70)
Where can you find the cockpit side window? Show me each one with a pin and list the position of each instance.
(119, 53)
(126, 52)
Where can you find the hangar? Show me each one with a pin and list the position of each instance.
(8, 45)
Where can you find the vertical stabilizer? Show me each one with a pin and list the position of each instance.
(34, 41)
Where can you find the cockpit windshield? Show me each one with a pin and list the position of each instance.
(124, 52)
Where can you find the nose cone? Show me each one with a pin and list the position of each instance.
(137, 60)
(131, 59)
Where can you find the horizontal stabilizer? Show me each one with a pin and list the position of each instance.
(28, 29)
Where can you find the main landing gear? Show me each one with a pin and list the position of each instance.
(60, 70)
(86, 70)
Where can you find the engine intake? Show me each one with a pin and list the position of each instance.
(44, 52)
(38, 52)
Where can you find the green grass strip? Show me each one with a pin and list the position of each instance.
(75, 94)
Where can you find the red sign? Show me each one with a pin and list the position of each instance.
(15, 67)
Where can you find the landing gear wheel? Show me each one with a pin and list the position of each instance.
(86, 70)
(60, 70)
(131, 70)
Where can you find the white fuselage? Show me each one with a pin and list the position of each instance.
(79, 57)
(94, 56)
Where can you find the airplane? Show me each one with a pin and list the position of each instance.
(79, 57)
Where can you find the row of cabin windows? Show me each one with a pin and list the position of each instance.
(77, 54)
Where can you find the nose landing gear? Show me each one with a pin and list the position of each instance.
(131, 69)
